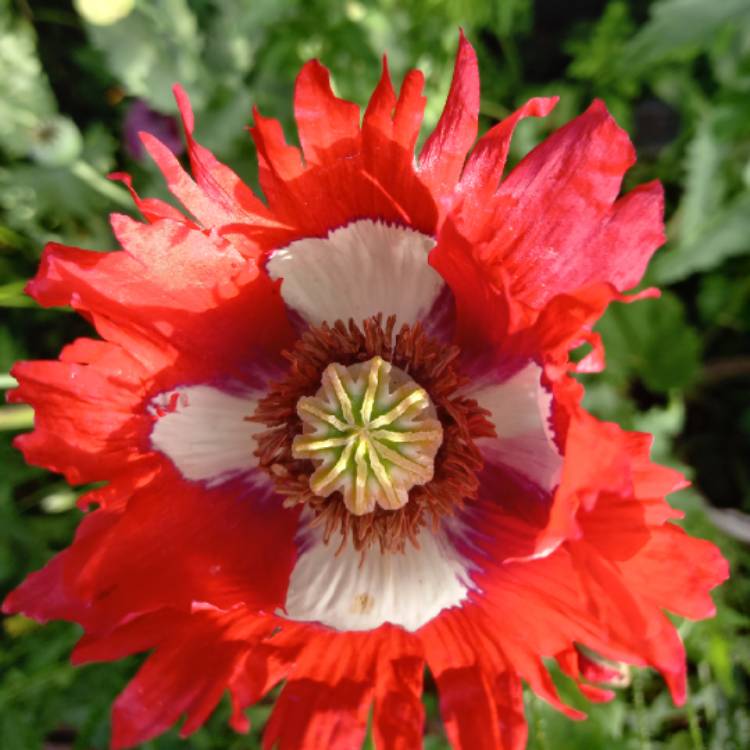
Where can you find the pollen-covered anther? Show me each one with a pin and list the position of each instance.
(372, 434)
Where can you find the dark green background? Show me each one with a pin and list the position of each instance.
(676, 74)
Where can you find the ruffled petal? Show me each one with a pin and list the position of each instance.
(319, 199)
(676, 572)
(389, 132)
(493, 246)
(632, 630)
(484, 309)
(49, 593)
(278, 162)
(328, 126)
(333, 680)
(87, 423)
(407, 116)
(398, 713)
(531, 610)
(378, 117)
(152, 209)
(327, 697)
(484, 167)
(218, 181)
(230, 533)
(442, 157)
(635, 229)
(198, 316)
(204, 208)
(388, 118)
(195, 655)
(204, 262)
(349, 173)
(133, 559)
(481, 700)
(572, 179)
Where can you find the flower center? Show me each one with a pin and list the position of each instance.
(369, 432)
(372, 434)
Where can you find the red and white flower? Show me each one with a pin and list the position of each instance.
(339, 436)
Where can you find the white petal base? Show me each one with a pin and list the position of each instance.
(520, 410)
(346, 593)
(204, 431)
(359, 270)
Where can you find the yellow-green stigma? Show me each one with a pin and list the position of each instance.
(372, 434)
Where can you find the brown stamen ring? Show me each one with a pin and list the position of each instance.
(430, 364)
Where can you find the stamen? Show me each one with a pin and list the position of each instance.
(368, 431)
(343, 436)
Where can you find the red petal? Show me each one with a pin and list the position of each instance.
(152, 209)
(219, 182)
(635, 630)
(203, 263)
(535, 609)
(468, 709)
(552, 221)
(484, 168)
(509, 516)
(398, 717)
(407, 117)
(332, 678)
(87, 423)
(49, 593)
(263, 668)
(324, 198)
(328, 126)
(179, 542)
(326, 700)
(676, 571)
(186, 674)
(350, 175)
(577, 666)
(207, 306)
(483, 307)
(278, 163)
(635, 228)
(379, 113)
(481, 701)
(180, 184)
(443, 154)
(389, 130)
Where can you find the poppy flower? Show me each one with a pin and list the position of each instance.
(338, 435)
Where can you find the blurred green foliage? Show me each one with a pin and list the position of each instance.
(676, 73)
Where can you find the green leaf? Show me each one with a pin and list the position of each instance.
(676, 25)
(151, 49)
(665, 424)
(726, 235)
(651, 340)
(595, 51)
(26, 100)
(58, 203)
(704, 184)
(12, 295)
(236, 32)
